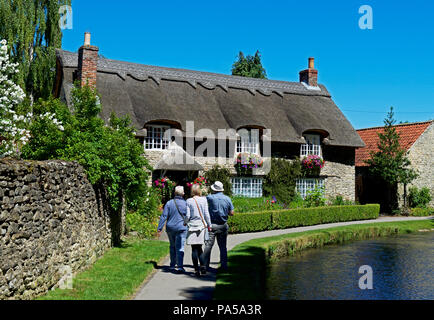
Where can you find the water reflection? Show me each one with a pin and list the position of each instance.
(402, 267)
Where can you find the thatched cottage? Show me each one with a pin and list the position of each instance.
(298, 118)
(417, 139)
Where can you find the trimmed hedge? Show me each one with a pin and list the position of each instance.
(422, 212)
(282, 219)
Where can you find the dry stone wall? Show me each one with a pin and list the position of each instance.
(52, 223)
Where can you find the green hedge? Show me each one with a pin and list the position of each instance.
(422, 212)
(282, 219)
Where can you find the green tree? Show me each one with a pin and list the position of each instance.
(31, 27)
(249, 66)
(390, 163)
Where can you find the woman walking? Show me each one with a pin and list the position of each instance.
(199, 224)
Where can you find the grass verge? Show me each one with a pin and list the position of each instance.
(246, 275)
(117, 275)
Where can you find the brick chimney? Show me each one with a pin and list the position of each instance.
(310, 75)
(87, 62)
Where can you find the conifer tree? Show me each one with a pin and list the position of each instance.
(250, 66)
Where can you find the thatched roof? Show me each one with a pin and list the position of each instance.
(214, 101)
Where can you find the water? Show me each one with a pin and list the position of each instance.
(402, 269)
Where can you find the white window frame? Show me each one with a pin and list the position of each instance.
(250, 187)
(248, 143)
(307, 184)
(312, 145)
(154, 139)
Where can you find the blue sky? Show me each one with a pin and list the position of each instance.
(366, 71)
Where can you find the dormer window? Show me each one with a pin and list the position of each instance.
(249, 141)
(155, 137)
(312, 145)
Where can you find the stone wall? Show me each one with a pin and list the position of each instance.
(51, 220)
(421, 155)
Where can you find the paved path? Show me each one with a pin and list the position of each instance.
(164, 285)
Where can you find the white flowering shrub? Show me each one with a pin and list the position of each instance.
(14, 128)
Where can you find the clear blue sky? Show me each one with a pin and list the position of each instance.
(366, 71)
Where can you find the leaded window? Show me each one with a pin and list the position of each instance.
(312, 145)
(155, 137)
(247, 187)
(305, 185)
(249, 141)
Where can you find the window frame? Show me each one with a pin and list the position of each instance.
(163, 144)
(251, 189)
(250, 146)
(309, 148)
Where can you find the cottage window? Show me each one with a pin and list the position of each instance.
(312, 145)
(305, 185)
(247, 187)
(249, 141)
(155, 137)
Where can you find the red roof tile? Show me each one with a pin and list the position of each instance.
(409, 133)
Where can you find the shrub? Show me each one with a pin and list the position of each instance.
(282, 219)
(419, 198)
(244, 205)
(421, 212)
(315, 198)
(340, 201)
(218, 173)
(281, 180)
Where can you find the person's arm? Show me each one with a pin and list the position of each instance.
(206, 214)
(188, 214)
(163, 218)
(231, 208)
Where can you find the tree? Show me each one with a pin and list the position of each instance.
(13, 132)
(32, 29)
(249, 66)
(390, 162)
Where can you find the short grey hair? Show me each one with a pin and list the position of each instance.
(179, 191)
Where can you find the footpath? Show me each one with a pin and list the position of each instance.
(165, 285)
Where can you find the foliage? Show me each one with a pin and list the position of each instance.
(117, 275)
(313, 161)
(246, 162)
(13, 127)
(218, 173)
(281, 180)
(249, 66)
(247, 262)
(421, 212)
(282, 219)
(111, 155)
(390, 162)
(244, 204)
(32, 29)
(340, 201)
(165, 186)
(419, 198)
(315, 198)
(145, 226)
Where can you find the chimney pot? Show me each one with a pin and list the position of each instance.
(311, 63)
(87, 38)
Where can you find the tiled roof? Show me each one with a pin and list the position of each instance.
(408, 133)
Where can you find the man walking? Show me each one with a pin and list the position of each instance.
(174, 212)
(220, 207)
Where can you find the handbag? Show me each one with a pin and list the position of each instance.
(206, 236)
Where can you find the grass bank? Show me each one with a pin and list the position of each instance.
(117, 275)
(246, 275)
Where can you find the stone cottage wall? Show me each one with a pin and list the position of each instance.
(421, 155)
(50, 222)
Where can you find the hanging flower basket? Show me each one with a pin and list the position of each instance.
(246, 162)
(312, 165)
